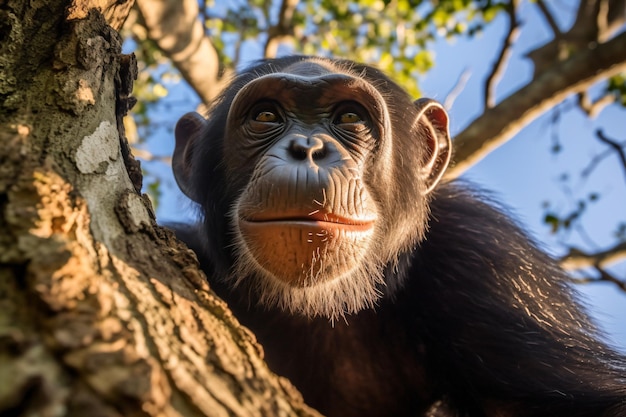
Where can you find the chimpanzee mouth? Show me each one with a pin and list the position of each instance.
(318, 219)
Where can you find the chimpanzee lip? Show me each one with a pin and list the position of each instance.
(314, 219)
(322, 217)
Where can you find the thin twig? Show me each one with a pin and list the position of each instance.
(503, 58)
(595, 161)
(549, 18)
(203, 7)
(617, 147)
(554, 131)
(604, 277)
(578, 259)
(282, 29)
(593, 108)
(457, 89)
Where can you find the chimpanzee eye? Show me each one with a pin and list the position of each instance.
(266, 117)
(349, 117)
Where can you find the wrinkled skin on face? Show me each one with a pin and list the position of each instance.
(308, 157)
(306, 215)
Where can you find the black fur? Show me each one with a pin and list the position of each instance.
(475, 321)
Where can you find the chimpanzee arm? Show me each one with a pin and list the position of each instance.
(500, 321)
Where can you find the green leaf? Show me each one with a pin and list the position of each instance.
(553, 221)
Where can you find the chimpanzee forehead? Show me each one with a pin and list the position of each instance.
(309, 68)
(307, 85)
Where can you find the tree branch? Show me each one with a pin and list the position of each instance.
(549, 18)
(594, 24)
(616, 16)
(585, 28)
(500, 123)
(578, 259)
(505, 53)
(596, 21)
(593, 108)
(611, 17)
(604, 276)
(457, 89)
(617, 147)
(595, 161)
(176, 29)
(282, 29)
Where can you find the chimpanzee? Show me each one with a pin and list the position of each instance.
(374, 287)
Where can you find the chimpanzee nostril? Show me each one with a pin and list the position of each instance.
(301, 148)
(319, 153)
(298, 153)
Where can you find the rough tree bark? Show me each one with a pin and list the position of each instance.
(102, 313)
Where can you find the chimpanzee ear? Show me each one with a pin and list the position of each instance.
(189, 129)
(433, 123)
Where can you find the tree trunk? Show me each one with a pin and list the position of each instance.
(102, 312)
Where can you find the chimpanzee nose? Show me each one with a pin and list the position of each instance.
(302, 148)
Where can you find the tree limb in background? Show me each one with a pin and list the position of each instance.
(500, 123)
(615, 146)
(505, 53)
(603, 276)
(176, 29)
(578, 259)
(457, 89)
(282, 30)
(549, 18)
(595, 161)
(596, 22)
(593, 108)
